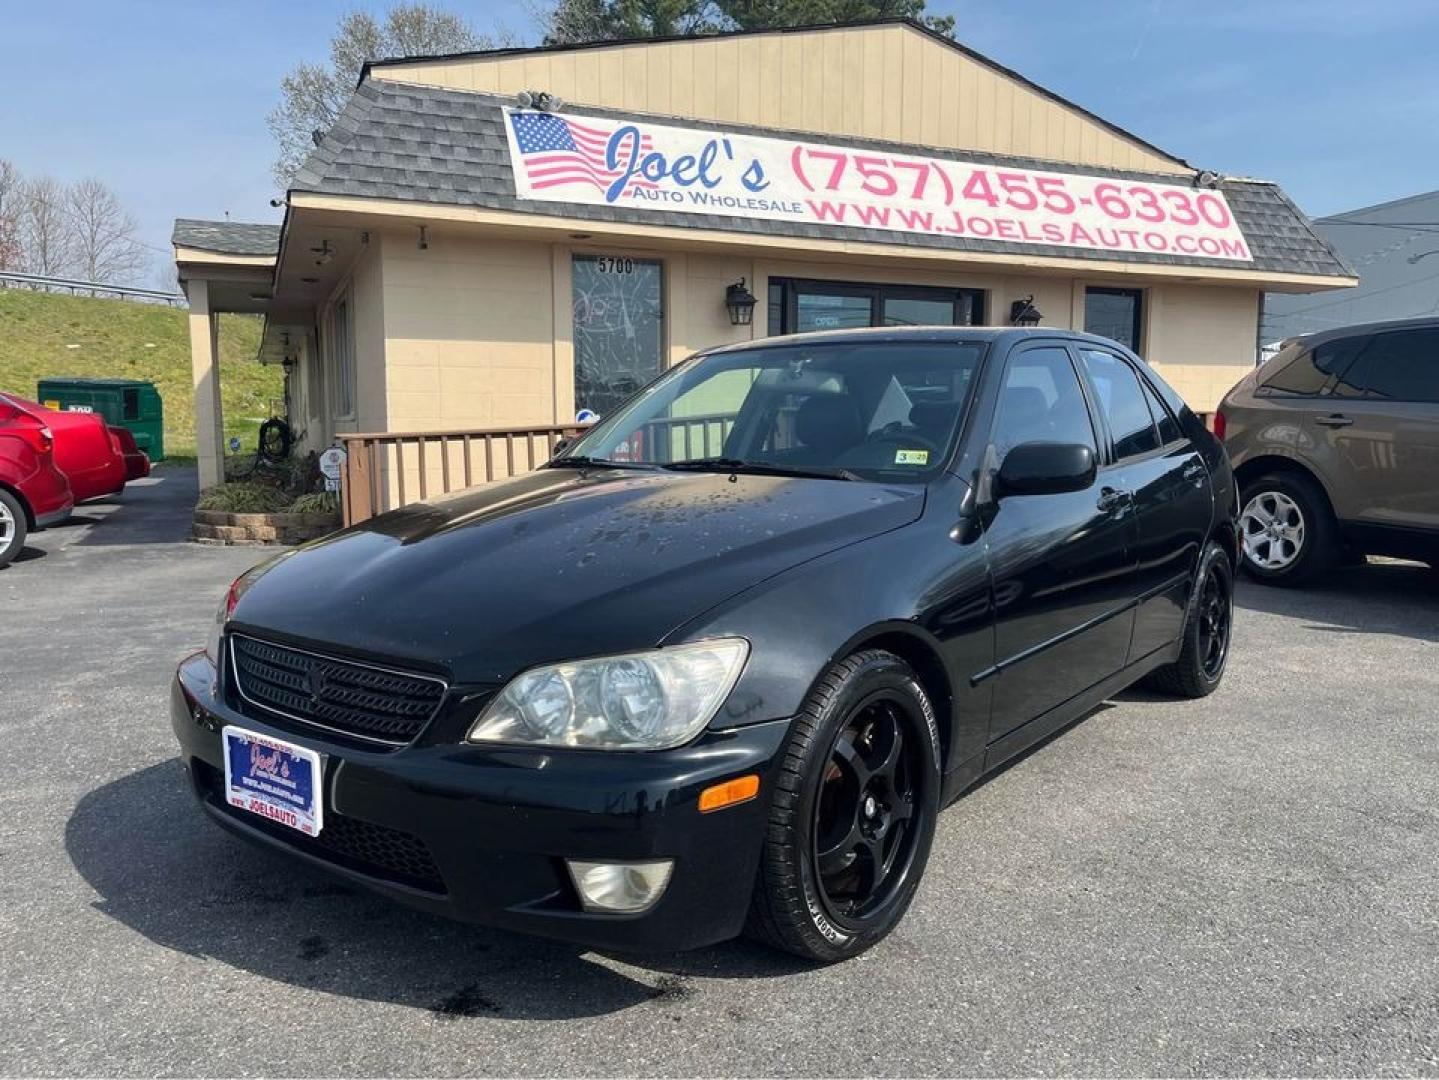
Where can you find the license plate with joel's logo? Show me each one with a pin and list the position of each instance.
(275, 779)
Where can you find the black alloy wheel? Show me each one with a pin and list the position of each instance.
(1216, 610)
(856, 795)
(862, 835)
(1208, 626)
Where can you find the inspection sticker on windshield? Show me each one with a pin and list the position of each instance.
(274, 779)
(911, 457)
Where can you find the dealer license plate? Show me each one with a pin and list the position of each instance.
(275, 779)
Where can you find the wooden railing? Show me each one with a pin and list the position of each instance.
(386, 470)
(389, 469)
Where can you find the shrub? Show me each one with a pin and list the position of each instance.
(243, 498)
(321, 502)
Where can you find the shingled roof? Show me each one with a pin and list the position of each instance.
(226, 237)
(413, 143)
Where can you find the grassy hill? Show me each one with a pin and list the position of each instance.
(44, 335)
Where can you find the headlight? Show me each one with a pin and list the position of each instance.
(640, 701)
(232, 597)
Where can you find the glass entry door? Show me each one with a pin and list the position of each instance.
(618, 328)
(797, 306)
(832, 308)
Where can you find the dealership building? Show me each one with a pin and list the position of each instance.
(495, 241)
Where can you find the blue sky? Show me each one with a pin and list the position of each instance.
(166, 100)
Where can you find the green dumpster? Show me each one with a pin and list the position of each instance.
(127, 403)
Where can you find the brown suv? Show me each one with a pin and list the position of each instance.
(1335, 444)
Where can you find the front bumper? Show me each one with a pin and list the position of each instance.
(481, 833)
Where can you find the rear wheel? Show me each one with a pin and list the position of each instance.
(12, 527)
(1287, 532)
(854, 810)
(1204, 653)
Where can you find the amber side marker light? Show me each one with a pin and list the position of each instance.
(741, 789)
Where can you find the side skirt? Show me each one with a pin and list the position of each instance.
(1077, 707)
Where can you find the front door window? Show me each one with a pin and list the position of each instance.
(618, 328)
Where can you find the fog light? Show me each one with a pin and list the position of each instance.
(623, 888)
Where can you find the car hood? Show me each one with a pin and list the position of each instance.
(557, 564)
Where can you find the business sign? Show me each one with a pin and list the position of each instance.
(605, 162)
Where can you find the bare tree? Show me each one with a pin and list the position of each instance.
(11, 252)
(312, 95)
(45, 234)
(102, 233)
(164, 274)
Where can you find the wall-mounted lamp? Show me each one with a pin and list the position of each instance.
(1024, 313)
(424, 241)
(740, 302)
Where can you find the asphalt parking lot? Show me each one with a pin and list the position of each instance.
(1248, 884)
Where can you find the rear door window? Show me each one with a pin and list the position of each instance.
(1168, 426)
(1402, 365)
(1121, 401)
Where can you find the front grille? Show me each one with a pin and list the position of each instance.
(366, 702)
(362, 846)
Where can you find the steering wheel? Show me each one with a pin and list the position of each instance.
(896, 435)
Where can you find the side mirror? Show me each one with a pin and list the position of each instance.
(1041, 468)
(561, 445)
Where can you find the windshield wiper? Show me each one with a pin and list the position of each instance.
(580, 461)
(758, 468)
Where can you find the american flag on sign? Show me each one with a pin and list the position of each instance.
(555, 150)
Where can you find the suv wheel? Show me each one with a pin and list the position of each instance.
(856, 798)
(12, 527)
(1287, 533)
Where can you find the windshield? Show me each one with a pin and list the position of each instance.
(876, 411)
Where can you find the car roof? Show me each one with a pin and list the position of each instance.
(873, 335)
(1359, 329)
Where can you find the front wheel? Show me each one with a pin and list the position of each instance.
(12, 527)
(1204, 648)
(850, 827)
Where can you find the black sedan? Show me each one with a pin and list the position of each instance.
(720, 663)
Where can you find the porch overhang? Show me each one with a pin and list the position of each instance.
(347, 212)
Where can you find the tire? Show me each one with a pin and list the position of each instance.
(814, 907)
(1199, 670)
(13, 528)
(1310, 544)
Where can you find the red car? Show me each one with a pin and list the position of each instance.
(84, 450)
(33, 492)
(137, 462)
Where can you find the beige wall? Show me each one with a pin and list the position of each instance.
(469, 333)
(1202, 338)
(882, 82)
(474, 333)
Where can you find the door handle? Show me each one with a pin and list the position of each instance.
(1114, 499)
(1335, 420)
(1195, 472)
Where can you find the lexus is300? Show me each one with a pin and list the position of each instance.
(719, 664)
